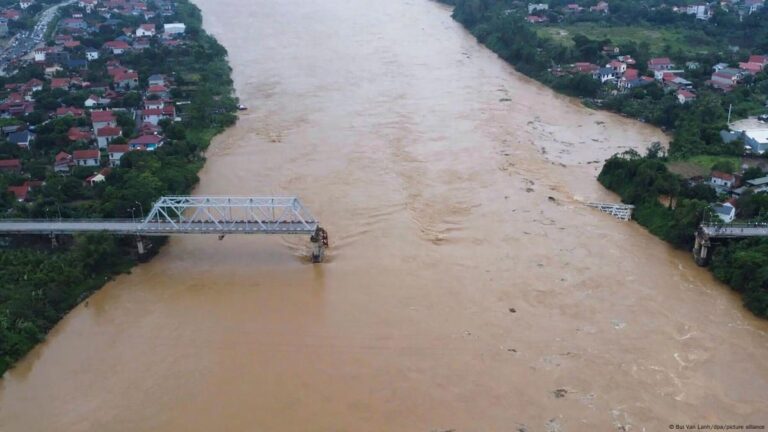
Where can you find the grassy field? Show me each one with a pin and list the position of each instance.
(662, 41)
(701, 165)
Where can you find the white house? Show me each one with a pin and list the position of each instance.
(86, 157)
(106, 135)
(721, 180)
(39, 54)
(116, 151)
(174, 28)
(91, 54)
(726, 212)
(146, 30)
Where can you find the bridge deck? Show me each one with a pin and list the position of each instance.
(735, 230)
(155, 228)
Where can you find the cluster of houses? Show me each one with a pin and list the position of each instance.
(537, 12)
(101, 144)
(733, 186)
(622, 72)
(705, 10)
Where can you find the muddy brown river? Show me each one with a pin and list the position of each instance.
(431, 163)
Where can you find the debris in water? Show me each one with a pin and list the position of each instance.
(513, 310)
(560, 393)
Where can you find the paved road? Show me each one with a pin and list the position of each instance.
(23, 43)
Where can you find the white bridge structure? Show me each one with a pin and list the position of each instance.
(619, 211)
(173, 215)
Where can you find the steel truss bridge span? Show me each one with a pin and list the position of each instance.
(172, 215)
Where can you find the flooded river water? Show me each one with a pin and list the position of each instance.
(457, 294)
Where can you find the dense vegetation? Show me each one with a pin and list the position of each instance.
(39, 285)
(499, 24)
(672, 209)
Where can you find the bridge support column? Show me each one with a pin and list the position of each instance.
(701, 249)
(140, 246)
(319, 242)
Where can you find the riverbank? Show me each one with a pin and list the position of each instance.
(40, 285)
(512, 40)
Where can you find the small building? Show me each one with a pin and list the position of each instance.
(684, 96)
(106, 135)
(725, 211)
(605, 74)
(758, 184)
(146, 142)
(87, 157)
(756, 140)
(660, 63)
(146, 30)
(69, 111)
(117, 47)
(726, 79)
(116, 152)
(102, 119)
(126, 80)
(174, 28)
(156, 80)
(63, 163)
(152, 116)
(21, 193)
(76, 134)
(10, 166)
(98, 177)
(91, 54)
(722, 181)
(22, 139)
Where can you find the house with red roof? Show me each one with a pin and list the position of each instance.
(585, 68)
(126, 79)
(722, 180)
(153, 116)
(102, 119)
(90, 157)
(63, 163)
(22, 193)
(146, 142)
(10, 165)
(660, 64)
(116, 152)
(98, 177)
(11, 14)
(77, 134)
(69, 111)
(106, 135)
(684, 96)
(117, 47)
(60, 83)
(160, 91)
(146, 30)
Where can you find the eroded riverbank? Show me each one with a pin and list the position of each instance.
(431, 163)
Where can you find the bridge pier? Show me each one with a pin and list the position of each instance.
(140, 246)
(319, 242)
(701, 249)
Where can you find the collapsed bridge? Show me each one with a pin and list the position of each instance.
(175, 215)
